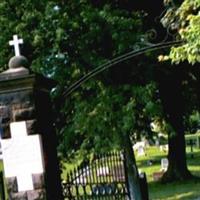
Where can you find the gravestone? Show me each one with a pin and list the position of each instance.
(157, 142)
(164, 164)
(164, 148)
(138, 144)
(140, 151)
(24, 97)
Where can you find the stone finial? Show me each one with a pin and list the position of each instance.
(18, 61)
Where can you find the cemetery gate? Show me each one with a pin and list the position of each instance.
(103, 178)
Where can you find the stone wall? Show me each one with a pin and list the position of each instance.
(39, 193)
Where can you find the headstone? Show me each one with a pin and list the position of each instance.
(157, 142)
(140, 151)
(22, 156)
(164, 164)
(139, 144)
(164, 148)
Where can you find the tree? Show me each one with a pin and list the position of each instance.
(170, 88)
(183, 82)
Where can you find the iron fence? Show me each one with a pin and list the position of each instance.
(102, 178)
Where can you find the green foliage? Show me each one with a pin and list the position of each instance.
(59, 32)
(187, 16)
(97, 123)
(64, 40)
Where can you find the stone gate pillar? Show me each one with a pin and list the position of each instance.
(24, 97)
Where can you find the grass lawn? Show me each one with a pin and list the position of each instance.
(1, 166)
(188, 190)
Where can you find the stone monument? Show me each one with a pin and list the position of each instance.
(31, 166)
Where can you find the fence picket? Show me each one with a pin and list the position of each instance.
(104, 178)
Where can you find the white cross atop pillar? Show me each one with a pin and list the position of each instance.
(22, 156)
(15, 42)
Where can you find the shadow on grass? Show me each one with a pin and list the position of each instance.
(184, 190)
(194, 161)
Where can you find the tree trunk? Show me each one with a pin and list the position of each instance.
(132, 172)
(177, 169)
(170, 89)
